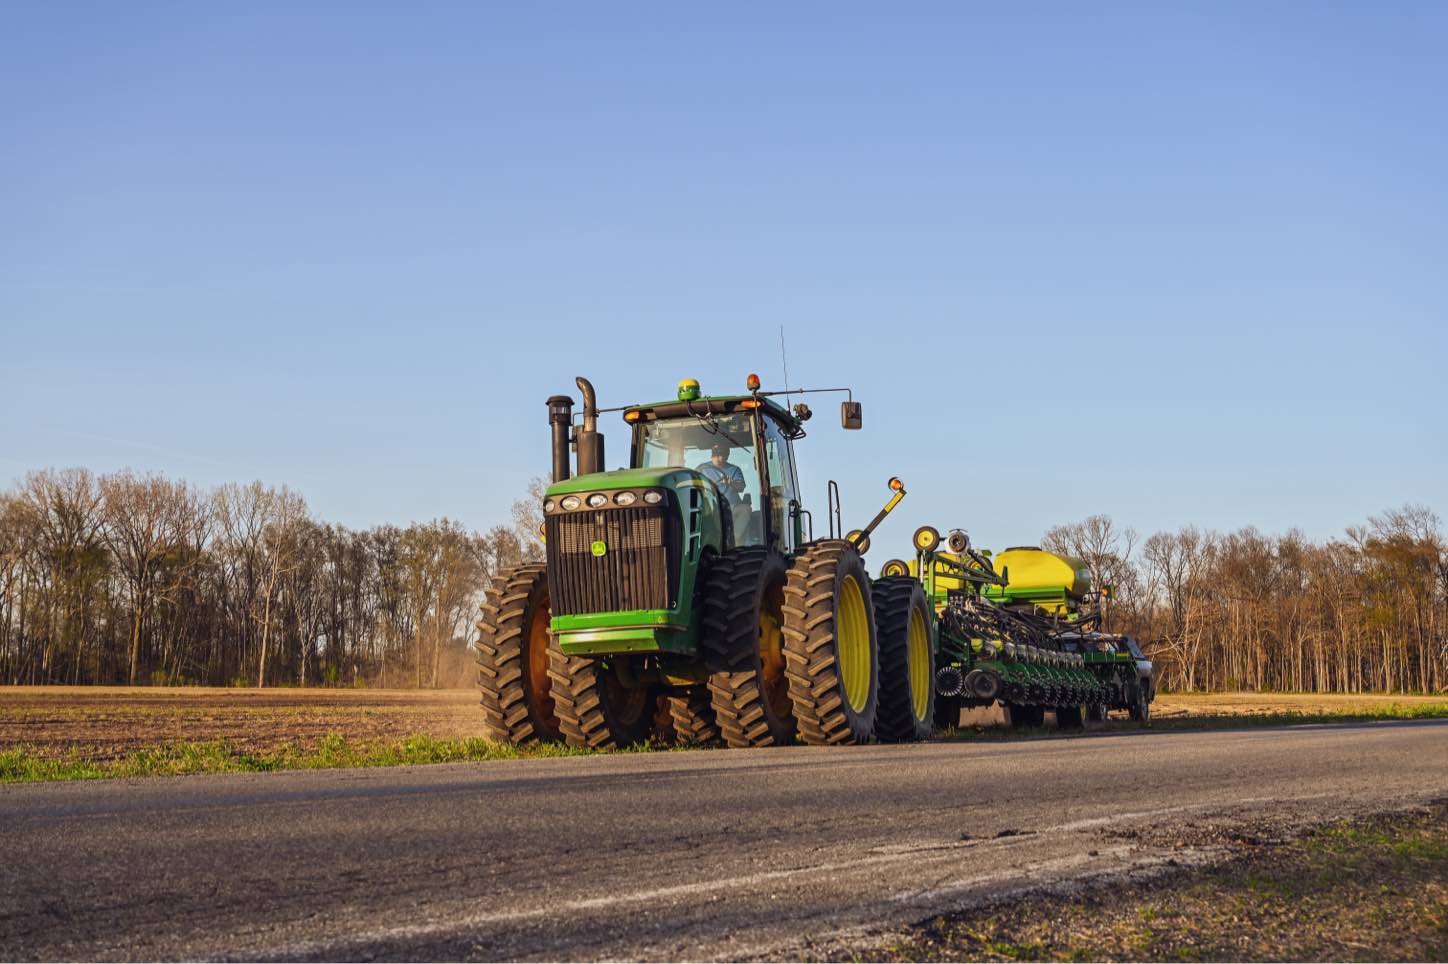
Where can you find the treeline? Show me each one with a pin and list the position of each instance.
(130, 579)
(144, 579)
(1244, 610)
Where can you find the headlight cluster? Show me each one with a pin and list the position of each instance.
(597, 500)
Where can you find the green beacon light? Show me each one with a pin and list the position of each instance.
(688, 390)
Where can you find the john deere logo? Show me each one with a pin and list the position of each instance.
(599, 547)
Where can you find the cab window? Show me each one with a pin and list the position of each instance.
(721, 448)
(779, 461)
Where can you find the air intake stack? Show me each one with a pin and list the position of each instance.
(560, 422)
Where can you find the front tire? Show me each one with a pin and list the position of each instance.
(830, 647)
(596, 709)
(513, 682)
(907, 661)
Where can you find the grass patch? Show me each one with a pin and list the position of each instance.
(1214, 721)
(1371, 891)
(75, 733)
(1223, 721)
(29, 765)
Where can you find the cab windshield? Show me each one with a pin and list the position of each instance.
(721, 448)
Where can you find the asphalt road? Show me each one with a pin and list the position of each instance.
(667, 855)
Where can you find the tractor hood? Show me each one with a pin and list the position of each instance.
(662, 476)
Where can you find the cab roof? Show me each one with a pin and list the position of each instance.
(716, 405)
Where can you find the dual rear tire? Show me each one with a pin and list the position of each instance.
(814, 651)
(792, 648)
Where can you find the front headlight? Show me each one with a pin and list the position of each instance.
(549, 505)
(653, 497)
(596, 500)
(625, 498)
(571, 502)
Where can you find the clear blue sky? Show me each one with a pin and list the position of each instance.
(1178, 263)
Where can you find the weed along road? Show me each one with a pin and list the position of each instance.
(657, 855)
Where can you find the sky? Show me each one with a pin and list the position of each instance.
(1175, 263)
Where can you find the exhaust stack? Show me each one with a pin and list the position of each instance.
(589, 440)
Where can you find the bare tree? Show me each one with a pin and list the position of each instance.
(1105, 549)
(146, 525)
(528, 521)
(62, 509)
(281, 540)
(263, 526)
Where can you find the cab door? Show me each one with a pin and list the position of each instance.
(783, 488)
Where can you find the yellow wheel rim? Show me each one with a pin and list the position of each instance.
(852, 644)
(919, 653)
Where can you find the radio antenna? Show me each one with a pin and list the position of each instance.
(784, 360)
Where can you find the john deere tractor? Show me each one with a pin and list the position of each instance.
(688, 596)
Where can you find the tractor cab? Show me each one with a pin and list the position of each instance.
(742, 446)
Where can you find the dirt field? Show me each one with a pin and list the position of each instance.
(108, 722)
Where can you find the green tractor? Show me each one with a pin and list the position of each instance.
(687, 596)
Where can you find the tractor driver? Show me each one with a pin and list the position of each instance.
(730, 480)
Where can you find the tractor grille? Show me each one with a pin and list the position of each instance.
(639, 570)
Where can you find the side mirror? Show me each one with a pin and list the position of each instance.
(850, 414)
